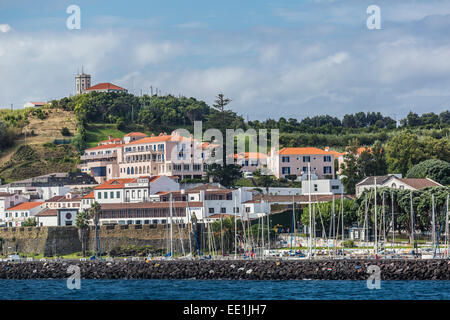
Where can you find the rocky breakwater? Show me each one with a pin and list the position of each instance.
(232, 269)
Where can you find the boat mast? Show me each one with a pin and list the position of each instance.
(235, 229)
(332, 223)
(268, 227)
(366, 222)
(376, 220)
(384, 221)
(189, 222)
(393, 224)
(310, 213)
(412, 218)
(171, 230)
(293, 221)
(433, 223)
(446, 230)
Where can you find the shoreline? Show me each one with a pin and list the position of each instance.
(231, 269)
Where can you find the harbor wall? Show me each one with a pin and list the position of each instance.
(53, 241)
(233, 269)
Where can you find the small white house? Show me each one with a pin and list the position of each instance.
(16, 215)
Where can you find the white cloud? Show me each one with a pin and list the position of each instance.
(4, 28)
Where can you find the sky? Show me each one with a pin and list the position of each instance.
(274, 59)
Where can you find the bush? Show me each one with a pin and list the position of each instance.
(349, 244)
(65, 132)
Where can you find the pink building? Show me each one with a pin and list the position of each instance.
(251, 161)
(294, 162)
(138, 154)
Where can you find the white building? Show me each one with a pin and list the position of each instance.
(323, 186)
(8, 200)
(396, 182)
(16, 215)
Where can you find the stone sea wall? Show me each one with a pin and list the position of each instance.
(232, 269)
(51, 241)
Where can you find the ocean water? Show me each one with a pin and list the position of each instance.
(222, 290)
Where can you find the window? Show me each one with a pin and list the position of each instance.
(315, 188)
(236, 210)
(286, 170)
(211, 210)
(335, 187)
(306, 159)
(284, 159)
(327, 159)
(247, 209)
(117, 194)
(305, 169)
(326, 170)
(111, 195)
(105, 195)
(223, 210)
(99, 195)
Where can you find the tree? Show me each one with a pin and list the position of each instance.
(30, 222)
(403, 151)
(437, 170)
(263, 180)
(65, 131)
(350, 168)
(94, 212)
(221, 102)
(82, 223)
(226, 175)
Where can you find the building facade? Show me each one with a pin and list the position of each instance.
(294, 162)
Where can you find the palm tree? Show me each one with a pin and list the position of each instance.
(82, 223)
(95, 214)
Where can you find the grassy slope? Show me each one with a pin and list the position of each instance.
(45, 130)
(34, 160)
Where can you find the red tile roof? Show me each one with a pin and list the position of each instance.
(106, 146)
(47, 213)
(306, 150)
(120, 183)
(89, 196)
(105, 86)
(25, 206)
(161, 139)
(418, 183)
(136, 134)
(250, 155)
(150, 205)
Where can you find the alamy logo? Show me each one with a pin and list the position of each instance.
(374, 280)
(74, 20)
(374, 20)
(74, 280)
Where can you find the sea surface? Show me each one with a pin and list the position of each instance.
(222, 290)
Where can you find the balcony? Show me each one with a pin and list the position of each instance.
(99, 156)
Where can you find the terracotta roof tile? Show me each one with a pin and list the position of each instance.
(306, 150)
(25, 206)
(105, 86)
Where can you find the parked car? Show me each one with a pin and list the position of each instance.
(248, 175)
(13, 258)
